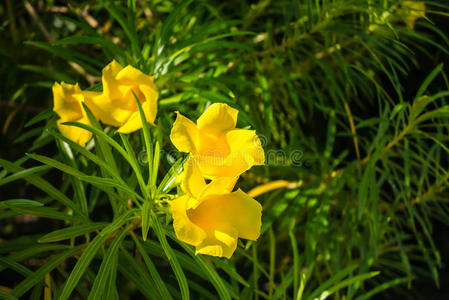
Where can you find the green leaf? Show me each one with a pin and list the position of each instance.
(160, 285)
(182, 281)
(45, 212)
(56, 164)
(211, 274)
(135, 166)
(102, 183)
(71, 232)
(23, 173)
(6, 296)
(89, 254)
(130, 31)
(43, 185)
(104, 272)
(146, 213)
(18, 202)
(170, 180)
(99, 41)
(384, 286)
(146, 134)
(13, 265)
(428, 80)
(84, 61)
(39, 275)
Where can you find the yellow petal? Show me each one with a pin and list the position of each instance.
(76, 134)
(213, 166)
(222, 243)
(66, 101)
(133, 77)
(192, 179)
(185, 230)
(236, 209)
(217, 119)
(107, 112)
(184, 134)
(247, 143)
(117, 105)
(134, 122)
(150, 105)
(218, 186)
(108, 75)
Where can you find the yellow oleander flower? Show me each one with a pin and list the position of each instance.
(412, 11)
(67, 99)
(211, 217)
(219, 149)
(117, 106)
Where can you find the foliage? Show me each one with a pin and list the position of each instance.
(348, 98)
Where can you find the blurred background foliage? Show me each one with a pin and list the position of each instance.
(349, 97)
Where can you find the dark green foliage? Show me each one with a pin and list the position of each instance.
(351, 106)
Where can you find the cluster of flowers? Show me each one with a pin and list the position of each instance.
(115, 106)
(209, 215)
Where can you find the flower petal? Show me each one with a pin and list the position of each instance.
(184, 134)
(76, 134)
(236, 209)
(134, 122)
(150, 105)
(66, 101)
(222, 243)
(247, 143)
(132, 76)
(219, 186)
(108, 77)
(185, 230)
(217, 119)
(215, 166)
(192, 180)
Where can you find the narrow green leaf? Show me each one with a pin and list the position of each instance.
(171, 178)
(19, 202)
(428, 80)
(45, 212)
(135, 166)
(182, 281)
(155, 165)
(43, 115)
(160, 285)
(23, 173)
(129, 31)
(88, 256)
(104, 272)
(39, 275)
(146, 213)
(147, 138)
(99, 41)
(43, 185)
(102, 183)
(384, 286)
(6, 296)
(56, 164)
(71, 232)
(13, 265)
(212, 275)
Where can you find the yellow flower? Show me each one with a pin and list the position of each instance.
(67, 99)
(117, 105)
(219, 149)
(412, 11)
(211, 217)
